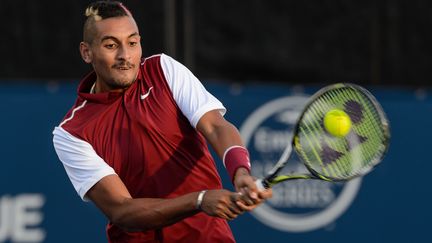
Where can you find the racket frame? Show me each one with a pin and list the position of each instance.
(271, 178)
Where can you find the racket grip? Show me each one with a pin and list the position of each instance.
(260, 184)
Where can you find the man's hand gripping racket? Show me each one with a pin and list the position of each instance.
(341, 134)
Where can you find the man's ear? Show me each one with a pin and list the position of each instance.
(86, 53)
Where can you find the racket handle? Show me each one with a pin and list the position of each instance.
(260, 184)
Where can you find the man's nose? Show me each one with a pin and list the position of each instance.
(123, 53)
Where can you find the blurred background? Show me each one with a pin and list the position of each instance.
(374, 42)
(248, 54)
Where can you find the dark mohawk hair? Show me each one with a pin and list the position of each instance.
(100, 10)
(106, 9)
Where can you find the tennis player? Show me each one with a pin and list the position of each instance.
(135, 141)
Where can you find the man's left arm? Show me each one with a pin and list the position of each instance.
(227, 143)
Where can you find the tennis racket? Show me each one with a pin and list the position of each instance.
(329, 157)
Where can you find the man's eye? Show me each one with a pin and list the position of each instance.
(133, 43)
(110, 46)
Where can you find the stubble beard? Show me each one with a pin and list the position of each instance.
(123, 82)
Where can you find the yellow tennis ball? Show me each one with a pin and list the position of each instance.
(337, 123)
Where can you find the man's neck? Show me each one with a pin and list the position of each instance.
(99, 88)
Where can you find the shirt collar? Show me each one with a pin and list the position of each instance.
(86, 85)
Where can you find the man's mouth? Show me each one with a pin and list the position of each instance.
(124, 66)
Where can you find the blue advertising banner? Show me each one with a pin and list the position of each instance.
(391, 204)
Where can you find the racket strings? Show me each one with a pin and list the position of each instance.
(328, 154)
(372, 127)
(360, 112)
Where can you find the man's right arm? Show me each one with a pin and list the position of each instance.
(94, 179)
(112, 197)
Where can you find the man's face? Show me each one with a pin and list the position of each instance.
(115, 52)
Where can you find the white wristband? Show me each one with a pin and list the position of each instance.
(200, 199)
